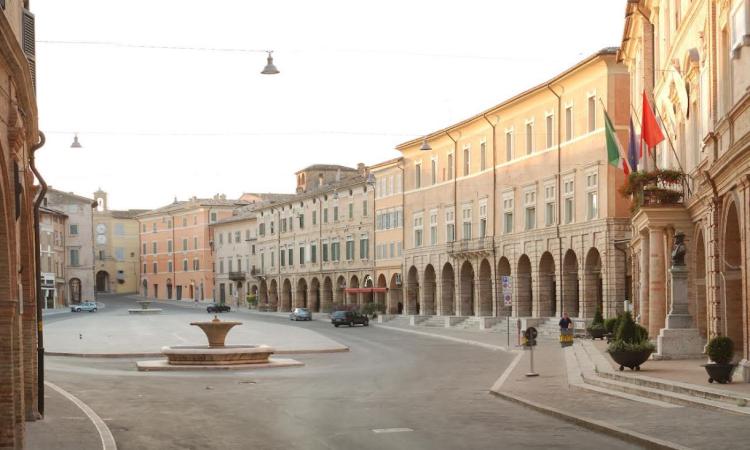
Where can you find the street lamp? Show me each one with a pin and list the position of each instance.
(270, 69)
(75, 143)
(425, 145)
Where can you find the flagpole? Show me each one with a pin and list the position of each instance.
(619, 149)
(640, 136)
(671, 145)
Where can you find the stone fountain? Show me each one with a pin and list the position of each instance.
(144, 309)
(217, 355)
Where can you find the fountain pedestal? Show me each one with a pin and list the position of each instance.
(145, 308)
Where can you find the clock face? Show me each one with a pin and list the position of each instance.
(101, 239)
(101, 228)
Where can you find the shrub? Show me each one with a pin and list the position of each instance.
(720, 349)
(598, 319)
(610, 324)
(371, 309)
(630, 336)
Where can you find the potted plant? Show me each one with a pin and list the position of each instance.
(596, 329)
(610, 326)
(630, 347)
(720, 350)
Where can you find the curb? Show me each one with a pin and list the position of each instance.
(108, 441)
(594, 425)
(342, 349)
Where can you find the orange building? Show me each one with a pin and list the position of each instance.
(175, 240)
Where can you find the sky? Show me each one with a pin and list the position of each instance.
(357, 78)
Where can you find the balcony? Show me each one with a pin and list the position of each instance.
(471, 247)
(237, 276)
(656, 188)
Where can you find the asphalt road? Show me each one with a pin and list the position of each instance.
(391, 391)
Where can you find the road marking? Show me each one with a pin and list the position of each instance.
(108, 441)
(391, 430)
(496, 387)
(447, 338)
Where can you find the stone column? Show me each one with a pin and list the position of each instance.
(643, 281)
(657, 302)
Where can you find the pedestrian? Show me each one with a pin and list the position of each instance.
(566, 331)
(565, 322)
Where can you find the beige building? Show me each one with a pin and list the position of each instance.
(52, 230)
(116, 247)
(522, 190)
(315, 249)
(79, 243)
(693, 61)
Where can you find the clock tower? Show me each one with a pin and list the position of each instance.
(101, 200)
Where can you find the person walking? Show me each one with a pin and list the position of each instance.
(566, 331)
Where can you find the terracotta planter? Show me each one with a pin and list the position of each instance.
(720, 373)
(631, 360)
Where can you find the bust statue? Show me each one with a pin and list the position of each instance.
(678, 249)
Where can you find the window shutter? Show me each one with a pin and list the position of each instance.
(29, 42)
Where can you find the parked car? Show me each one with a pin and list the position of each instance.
(350, 318)
(300, 314)
(217, 308)
(85, 306)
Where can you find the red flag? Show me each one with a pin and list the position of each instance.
(650, 130)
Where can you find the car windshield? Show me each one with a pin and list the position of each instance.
(301, 310)
(339, 314)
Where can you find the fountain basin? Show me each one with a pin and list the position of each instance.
(216, 330)
(201, 355)
(144, 308)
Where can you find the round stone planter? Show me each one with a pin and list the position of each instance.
(720, 373)
(631, 360)
(597, 333)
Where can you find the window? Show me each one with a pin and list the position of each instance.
(283, 225)
(418, 175)
(418, 230)
(145, 266)
(119, 253)
(400, 248)
(302, 255)
(195, 243)
(169, 224)
(153, 227)
(349, 248)
(568, 193)
(335, 213)
(156, 267)
(213, 217)
(739, 27)
(144, 230)
(282, 257)
(351, 211)
(301, 221)
(154, 248)
(229, 263)
(185, 244)
(364, 246)
(324, 250)
(466, 222)
(508, 212)
(74, 229)
(568, 123)
(325, 215)
(592, 113)
(335, 250)
(263, 263)
(450, 167)
(529, 201)
(291, 256)
(262, 229)
(592, 196)
(185, 266)
(313, 252)
(74, 257)
(314, 217)
(450, 225)
(272, 222)
(364, 208)
(391, 248)
(184, 221)
(549, 205)
(237, 237)
(144, 251)
(467, 161)
(169, 247)
(119, 229)
(169, 266)
(398, 183)
(550, 130)
(197, 264)
(483, 155)
(433, 170)
(483, 218)
(221, 240)
(530, 138)
(509, 145)
(433, 227)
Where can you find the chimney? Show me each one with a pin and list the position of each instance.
(361, 168)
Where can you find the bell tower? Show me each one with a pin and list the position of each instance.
(101, 200)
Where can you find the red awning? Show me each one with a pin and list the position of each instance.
(365, 290)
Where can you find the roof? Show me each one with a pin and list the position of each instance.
(71, 196)
(390, 162)
(49, 210)
(345, 183)
(185, 205)
(268, 196)
(242, 215)
(607, 51)
(326, 167)
(126, 214)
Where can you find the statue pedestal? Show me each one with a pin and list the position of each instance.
(679, 339)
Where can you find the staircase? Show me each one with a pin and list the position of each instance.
(549, 329)
(471, 323)
(434, 322)
(399, 321)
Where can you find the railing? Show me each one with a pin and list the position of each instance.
(237, 276)
(469, 246)
(655, 188)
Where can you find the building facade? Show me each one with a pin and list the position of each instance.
(79, 243)
(524, 191)
(692, 61)
(235, 261)
(176, 261)
(19, 139)
(52, 249)
(116, 247)
(315, 248)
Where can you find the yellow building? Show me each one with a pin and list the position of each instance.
(116, 247)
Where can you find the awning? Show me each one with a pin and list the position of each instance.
(366, 290)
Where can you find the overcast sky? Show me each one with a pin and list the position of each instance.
(357, 78)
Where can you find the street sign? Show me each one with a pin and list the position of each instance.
(507, 283)
(507, 299)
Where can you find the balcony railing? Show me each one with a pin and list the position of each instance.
(475, 247)
(656, 188)
(237, 276)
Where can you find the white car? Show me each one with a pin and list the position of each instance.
(85, 306)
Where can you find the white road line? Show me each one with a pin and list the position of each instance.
(498, 384)
(447, 338)
(391, 430)
(108, 441)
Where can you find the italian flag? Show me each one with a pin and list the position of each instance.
(614, 149)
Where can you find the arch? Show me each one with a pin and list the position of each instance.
(263, 294)
(273, 295)
(395, 295)
(412, 291)
(314, 302)
(592, 284)
(547, 286)
(697, 307)
(429, 291)
(448, 290)
(380, 297)
(169, 288)
(286, 295)
(300, 297)
(485, 288)
(102, 281)
(75, 290)
(353, 298)
(144, 288)
(503, 270)
(326, 302)
(570, 288)
(467, 295)
(339, 292)
(731, 268)
(367, 282)
(524, 293)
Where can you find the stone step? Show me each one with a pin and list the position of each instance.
(468, 323)
(434, 322)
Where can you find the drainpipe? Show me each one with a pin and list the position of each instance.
(559, 198)
(37, 260)
(494, 215)
(455, 198)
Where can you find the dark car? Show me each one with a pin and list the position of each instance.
(350, 318)
(300, 314)
(217, 308)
